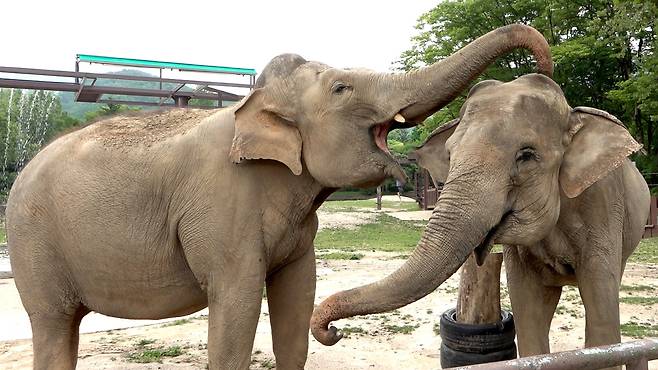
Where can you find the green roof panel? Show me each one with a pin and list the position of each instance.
(157, 64)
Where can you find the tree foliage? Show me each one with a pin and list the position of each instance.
(604, 54)
(28, 121)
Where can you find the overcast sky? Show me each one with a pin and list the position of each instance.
(240, 33)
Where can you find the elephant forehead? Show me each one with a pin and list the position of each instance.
(512, 121)
(513, 105)
(316, 67)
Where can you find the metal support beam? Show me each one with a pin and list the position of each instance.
(86, 92)
(57, 73)
(72, 87)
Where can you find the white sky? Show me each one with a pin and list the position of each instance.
(239, 33)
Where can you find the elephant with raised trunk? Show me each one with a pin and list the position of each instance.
(162, 214)
(551, 183)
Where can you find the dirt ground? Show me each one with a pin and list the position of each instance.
(406, 338)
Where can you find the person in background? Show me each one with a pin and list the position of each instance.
(398, 184)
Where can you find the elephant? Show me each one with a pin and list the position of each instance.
(552, 183)
(158, 215)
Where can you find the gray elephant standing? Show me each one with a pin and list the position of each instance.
(149, 216)
(551, 183)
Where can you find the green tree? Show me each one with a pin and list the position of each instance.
(28, 121)
(604, 54)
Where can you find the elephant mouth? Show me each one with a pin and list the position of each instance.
(483, 249)
(380, 131)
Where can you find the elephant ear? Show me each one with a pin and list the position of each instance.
(265, 129)
(432, 154)
(599, 144)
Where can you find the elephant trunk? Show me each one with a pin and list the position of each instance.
(455, 228)
(433, 87)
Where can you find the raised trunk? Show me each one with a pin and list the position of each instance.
(454, 229)
(433, 87)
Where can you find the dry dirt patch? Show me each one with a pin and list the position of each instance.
(405, 338)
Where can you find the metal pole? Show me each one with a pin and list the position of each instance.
(635, 353)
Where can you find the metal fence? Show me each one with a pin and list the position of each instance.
(635, 355)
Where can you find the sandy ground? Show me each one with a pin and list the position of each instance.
(374, 342)
(379, 346)
(350, 220)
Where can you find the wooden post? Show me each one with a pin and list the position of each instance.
(379, 198)
(479, 291)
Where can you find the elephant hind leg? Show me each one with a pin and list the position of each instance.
(55, 338)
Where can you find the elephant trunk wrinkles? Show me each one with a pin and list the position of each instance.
(453, 231)
(433, 87)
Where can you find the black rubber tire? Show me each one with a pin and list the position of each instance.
(452, 358)
(482, 338)
(466, 344)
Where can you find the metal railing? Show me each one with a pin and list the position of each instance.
(635, 355)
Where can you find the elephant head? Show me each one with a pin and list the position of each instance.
(333, 122)
(515, 151)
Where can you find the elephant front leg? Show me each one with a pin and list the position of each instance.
(598, 282)
(234, 300)
(533, 304)
(290, 294)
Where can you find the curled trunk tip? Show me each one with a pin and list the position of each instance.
(527, 37)
(322, 316)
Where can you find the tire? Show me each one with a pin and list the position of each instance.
(452, 358)
(467, 344)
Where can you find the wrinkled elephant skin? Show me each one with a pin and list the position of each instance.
(161, 214)
(550, 182)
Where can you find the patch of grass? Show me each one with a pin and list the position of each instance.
(145, 342)
(639, 330)
(398, 257)
(401, 329)
(436, 328)
(178, 322)
(268, 364)
(636, 288)
(349, 330)
(646, 252)
(387, 234)
(154, 354)
(340, 256)
(3, 234)
(371, 204)
(450, 290)
(352, 194)
(644, 301)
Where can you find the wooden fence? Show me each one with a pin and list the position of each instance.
(651, 229)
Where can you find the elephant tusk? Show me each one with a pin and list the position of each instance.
(399, 118)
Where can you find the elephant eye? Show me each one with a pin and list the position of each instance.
(527, 154)
(339, 88)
